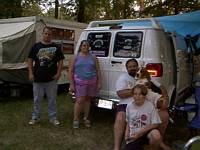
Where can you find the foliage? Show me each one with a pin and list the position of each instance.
(10, 8)
(88, 10)
(169, 7)
(31, 8)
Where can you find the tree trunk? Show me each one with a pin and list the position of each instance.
(125, 9)
(56, 8)
(81, 11)
(115, 11)
(176, 6)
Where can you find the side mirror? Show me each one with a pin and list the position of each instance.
(193, 144)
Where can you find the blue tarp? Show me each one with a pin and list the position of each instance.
(184, 24)
(187, 23)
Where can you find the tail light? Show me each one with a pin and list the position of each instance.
(155, 69)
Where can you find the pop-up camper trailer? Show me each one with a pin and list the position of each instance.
(17, 35)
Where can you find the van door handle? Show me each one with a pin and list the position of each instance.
(116, 62)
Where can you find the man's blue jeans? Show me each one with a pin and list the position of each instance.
(50, 89)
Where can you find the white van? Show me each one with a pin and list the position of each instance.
(116, 41)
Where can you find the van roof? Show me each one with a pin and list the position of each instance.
(104, 28)
(126, 23)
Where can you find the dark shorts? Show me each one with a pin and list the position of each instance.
(120, 107)
(138, 144)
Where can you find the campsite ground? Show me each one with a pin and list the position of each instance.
(16, 134)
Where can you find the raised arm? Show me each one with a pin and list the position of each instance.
(165, 97)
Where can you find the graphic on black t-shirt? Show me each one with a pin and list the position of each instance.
(46, 55)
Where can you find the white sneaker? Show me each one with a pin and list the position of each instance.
(33, 121)
(55, 122)
(75, 124)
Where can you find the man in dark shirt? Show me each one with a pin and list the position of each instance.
(45, 62)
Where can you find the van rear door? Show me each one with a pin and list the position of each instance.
(127, 44)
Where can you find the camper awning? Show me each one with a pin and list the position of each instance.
(16, 39)
(187, 23)
(8, 29)
(183, 24)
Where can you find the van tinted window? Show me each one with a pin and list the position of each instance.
(128, 44)
(99, 43)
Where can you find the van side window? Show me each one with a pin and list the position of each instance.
(128, 44)
(99, 43)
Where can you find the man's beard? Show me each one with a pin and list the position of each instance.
(131, 73)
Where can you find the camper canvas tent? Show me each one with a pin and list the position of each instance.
(17, 35)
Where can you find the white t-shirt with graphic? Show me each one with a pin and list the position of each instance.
(125, 81)
(138, 117)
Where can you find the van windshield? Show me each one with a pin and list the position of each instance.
(128, 44)
(99, 43)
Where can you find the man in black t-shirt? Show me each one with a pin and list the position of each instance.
(45, 62)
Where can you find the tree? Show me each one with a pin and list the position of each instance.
(31, 8)
(169, 7)
(56, 8)
(10, 8)
(88, 10)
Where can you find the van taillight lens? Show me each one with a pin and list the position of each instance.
(155, 70)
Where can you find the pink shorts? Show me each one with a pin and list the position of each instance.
(86, 90)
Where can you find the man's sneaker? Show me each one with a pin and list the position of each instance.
(75, 124)
(33, 121)
(87, 122)
(55, 122)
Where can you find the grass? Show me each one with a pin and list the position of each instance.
(16, 134)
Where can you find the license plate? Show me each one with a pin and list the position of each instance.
(105, 104)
